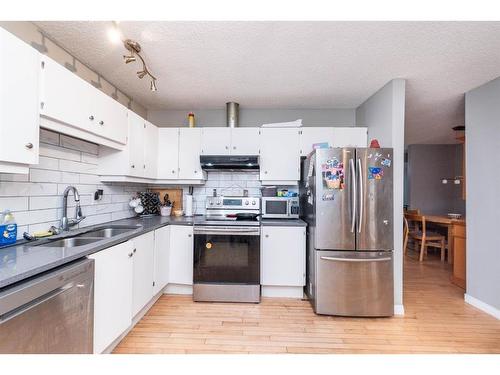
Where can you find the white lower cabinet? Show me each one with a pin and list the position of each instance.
(181, 255)
(143, 260)
(283, 256)
(161, 259)
(112, 293)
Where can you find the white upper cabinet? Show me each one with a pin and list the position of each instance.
(150, 165)
(350, 137)
(279, 155)
(19, 104)
(283, 256)
(136, 140)
(110, 118)
(216, 141)
(189, 154)
(311, 136)
(77, 108)
(161, 259)
(168, 153)
(181, 255)
(143, 260)
(245, 141)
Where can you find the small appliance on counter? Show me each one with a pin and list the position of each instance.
(280, 208)
(227, 251)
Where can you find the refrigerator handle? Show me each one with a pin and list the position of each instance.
(354, 195)
(361, 194)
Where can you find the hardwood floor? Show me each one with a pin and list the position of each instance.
(436, 320)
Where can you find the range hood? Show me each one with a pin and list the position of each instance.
(229, 162)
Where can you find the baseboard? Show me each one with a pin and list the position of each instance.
(399, 310)
(488, 309)
(282, 291)
(178, 289)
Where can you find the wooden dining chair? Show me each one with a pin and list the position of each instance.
(425, 238)
(405, 235)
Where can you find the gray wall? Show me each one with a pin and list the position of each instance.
(482, 122)
(384, 114)
(255, 117)
(427, 166)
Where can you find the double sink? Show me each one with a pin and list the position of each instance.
(91, 236)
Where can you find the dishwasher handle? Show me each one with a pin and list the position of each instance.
(38, 301)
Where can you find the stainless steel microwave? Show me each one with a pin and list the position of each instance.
(280, 207)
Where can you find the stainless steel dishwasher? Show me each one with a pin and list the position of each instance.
(51, 313)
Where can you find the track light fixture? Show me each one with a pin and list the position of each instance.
(135, 50)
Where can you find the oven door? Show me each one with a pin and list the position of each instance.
(275, 207)
(226, 255)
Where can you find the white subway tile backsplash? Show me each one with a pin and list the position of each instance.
(42, 175)
(47, 136)
(57, 152)
(79, 145)
(14, 203)
(36, 198)
(75, 166)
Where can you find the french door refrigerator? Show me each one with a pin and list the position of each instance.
(347, 201)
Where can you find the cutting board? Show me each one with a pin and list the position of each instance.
(175, 195)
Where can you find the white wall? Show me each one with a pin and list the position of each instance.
(255, 117)
(383, 113)
(482, 124)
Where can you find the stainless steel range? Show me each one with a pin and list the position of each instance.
(227, 251)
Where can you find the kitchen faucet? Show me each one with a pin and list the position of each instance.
(65, 222)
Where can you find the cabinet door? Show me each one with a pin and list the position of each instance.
(110, 119)
(143, 260)
(66, 97)
(181, 255)
(245, 141)
(350, 137)
(283, 256)
(189, 154)
(112, 294)
(279, 154)
(310, 136)
(150, 150)
(168, 153)
(136, 144)
(19, 100)
(161, 259)
(215, 141)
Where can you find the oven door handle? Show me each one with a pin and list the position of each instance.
(227, 230)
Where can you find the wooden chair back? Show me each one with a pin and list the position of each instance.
(417, 222)
(413, 211)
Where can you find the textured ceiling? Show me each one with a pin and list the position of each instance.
(202, 65)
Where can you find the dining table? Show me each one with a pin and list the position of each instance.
(447, 222)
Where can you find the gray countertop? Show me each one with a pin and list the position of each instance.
(283, 222)
(32, 258)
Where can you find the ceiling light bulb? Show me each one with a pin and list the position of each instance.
(141, 74)
(114, 35)
(153, 85)
(128, 59)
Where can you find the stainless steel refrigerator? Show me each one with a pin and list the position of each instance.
(347, 201)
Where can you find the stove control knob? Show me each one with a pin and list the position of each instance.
(211, 203)
(246, 203)
(218, 203)
(253, 203)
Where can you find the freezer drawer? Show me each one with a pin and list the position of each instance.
(354, 283)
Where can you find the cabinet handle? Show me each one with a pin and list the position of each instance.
(265, 172)
(173, 170)
(130, 255)
(133, 166)
(195, 171)
(91, 118)
(227, 147)
(267, 236)
(234, 147)
(29, 146)
(189, 235)
(101, 122)
(135, 250)
(144, 166)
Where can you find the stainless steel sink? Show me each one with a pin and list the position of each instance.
(71, 242)
(107, 232)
